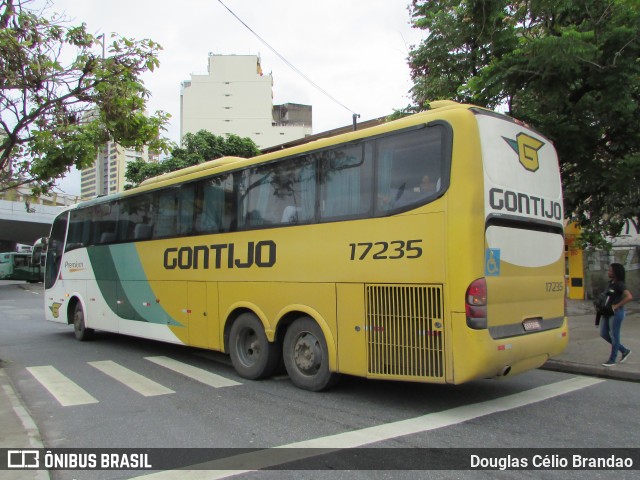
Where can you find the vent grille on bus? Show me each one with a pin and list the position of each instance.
(405, 334)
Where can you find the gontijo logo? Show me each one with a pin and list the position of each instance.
(55, 309)
(527, 149)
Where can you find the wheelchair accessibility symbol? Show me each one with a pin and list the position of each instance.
(492, 262)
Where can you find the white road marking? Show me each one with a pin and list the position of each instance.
(28, 424)
(231, 466)
(202, 376)
(64, 390)
(135, 381)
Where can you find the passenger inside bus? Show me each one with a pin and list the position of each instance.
(406, 194)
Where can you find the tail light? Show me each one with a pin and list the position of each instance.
(476, 304)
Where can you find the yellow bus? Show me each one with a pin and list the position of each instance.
(427, 249)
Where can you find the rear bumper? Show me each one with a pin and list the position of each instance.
(477, 354)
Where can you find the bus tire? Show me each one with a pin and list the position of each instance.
(80, 330)
(252, 355)
(306, 356)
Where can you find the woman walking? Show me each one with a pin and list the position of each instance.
(618, 295)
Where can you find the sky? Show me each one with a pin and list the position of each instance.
(355, 50)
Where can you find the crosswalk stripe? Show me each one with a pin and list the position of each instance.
(135, 381)
(64, 390)
(195, 373)
(299, 451)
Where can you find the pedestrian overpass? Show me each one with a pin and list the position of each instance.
(24, 218)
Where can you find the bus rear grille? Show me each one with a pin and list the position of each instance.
(405, 334)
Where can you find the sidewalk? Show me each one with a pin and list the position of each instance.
(587, 351)
(584, 355)
(18, 430)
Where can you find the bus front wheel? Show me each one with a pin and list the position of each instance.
(80, 330)
(252, 355)
(306, 356)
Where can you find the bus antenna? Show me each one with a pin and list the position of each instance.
(356, 116)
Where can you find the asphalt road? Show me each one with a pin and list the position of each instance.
(214, 408)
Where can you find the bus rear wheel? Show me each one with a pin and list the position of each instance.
(252, 355)
(80, 330)
(306, 356)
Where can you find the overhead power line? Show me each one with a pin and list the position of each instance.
(289, 64)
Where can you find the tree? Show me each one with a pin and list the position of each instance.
(61, 97)
(196, 148)
(570, 69)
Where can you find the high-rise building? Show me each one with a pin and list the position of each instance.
(106, 176)
(236, 97)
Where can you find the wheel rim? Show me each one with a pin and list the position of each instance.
(248, 347)
(307, 354)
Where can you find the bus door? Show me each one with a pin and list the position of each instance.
(203, 314)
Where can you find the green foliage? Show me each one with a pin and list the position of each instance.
(60, 98)
(196, 148)
(571, 69)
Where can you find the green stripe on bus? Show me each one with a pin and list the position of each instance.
(124, 285)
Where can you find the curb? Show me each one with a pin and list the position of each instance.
(31, 436)
(590, 370)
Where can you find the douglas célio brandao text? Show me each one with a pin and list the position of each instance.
(551, 462)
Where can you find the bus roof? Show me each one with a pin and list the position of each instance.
(316, 142)
(201, 167)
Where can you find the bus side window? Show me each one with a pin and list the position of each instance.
(135, 218)
(410, 168)
(104, 218)
(294, 191)
(165, 214)
(80, 229)
(278, 193)
(186, 199)
(142, 231)
(211, 204)
(346, 182)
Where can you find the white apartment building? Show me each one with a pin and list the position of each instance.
(235, 97)
(106, 176)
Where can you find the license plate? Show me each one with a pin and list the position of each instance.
(532, 324)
